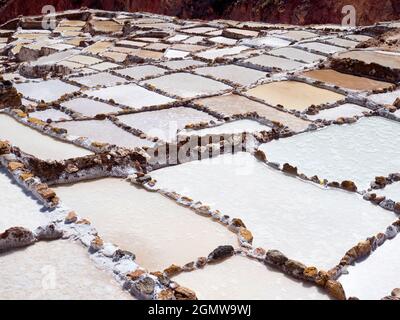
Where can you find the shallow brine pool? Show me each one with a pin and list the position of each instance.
(356, 152)
(155, 228)
(306, 222)
(57, 270)
(33, 142)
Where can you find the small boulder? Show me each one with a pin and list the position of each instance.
(349, 186)
(182, 293)
(71, 218)
(16, 237)
(335, 289)
(172, 270)
(221, 253)
(287, 168)
(275, 257)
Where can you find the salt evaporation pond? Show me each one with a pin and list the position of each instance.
(165, 123)
(385, 98)
(346, 110)
(18, 208)
(233, 127)
(57, 270)
(240, 278)
(48, 91)
(375, 277)
(52, 114)
(189, 86)
(302, 94)
(89, 107)
(103, 131)
(98, 79)
(306, 222)
(297, 54)
(36, 143)
(155, 228)
(357, 152)
(131, 95)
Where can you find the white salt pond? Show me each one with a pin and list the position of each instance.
(52, 114)
(48, 91)
(267, 62)
(89, 107)
(236, 74)
(346, 110)
(375, 277)
(233, 127)
(182, 64)
(59, 270)
(155, 228)
(131, 95)
(164, 124)
(141, 72)
(240, 278)
(103, 131)
(213, 54)
(19, 208)
(266, 42)
(306, 222)
(35, 143)
(385, 98)
(186, 85)
(391, 191)
(321, 47)
(98, 79)
(358, 152)
(297, 54)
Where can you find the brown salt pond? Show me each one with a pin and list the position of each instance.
(155, 228)
(293, 95)
(240, 278)
(33, 142)
(232, 105)
(59, 270)
(346, 81)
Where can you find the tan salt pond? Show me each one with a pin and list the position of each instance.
(346, 81)
(155, 228)
(231, 105)
(386, 59)
(240, 278)
(36, 143)
(293, 95)
(58, 270)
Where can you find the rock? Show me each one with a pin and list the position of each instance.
(122, 254)
(335, 289)
(5, 148)
(50, 232)
(392, 298)
(349, 186)
(310, 273)
(287, 168)
(189, 267)
(391, 232)
(295, 268)
(201, 262)
(363, 249)
(381, 181)
(237, 223)
(14, 165)
(221, 253)
(172, 270)
(71, 168)
(322, 278)
(166, 294)
(396, 292)
(96, 244)
(260, 155)
(182, 293)
(135, 275)
(16, 237)
(397, 207)
(71, 218)
(144, 287)
(83, 221)
(275, 257)
(245, 235)
(26, 176)
(388, 204)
